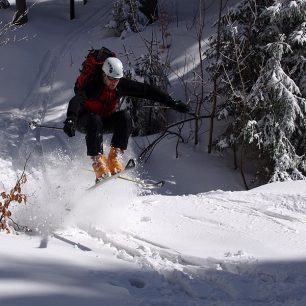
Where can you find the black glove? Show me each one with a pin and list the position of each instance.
(69, 127)
(180, 106)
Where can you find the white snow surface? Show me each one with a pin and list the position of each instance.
(200, 240)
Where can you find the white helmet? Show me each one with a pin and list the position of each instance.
(113, 67)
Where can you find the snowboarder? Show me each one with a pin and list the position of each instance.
(93, 110)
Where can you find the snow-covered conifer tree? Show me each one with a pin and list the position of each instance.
(127, 17)
(277, 113)
(261, 75)
(147, 119)
(154, 72)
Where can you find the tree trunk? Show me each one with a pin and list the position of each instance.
(200, 30)
(150, 9)
(72, 10)
(215, 82)
(20, 16)
(242, 168)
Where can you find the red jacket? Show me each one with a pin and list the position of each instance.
(97, 99)
(104, 105)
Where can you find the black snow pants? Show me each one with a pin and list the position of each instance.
(119, 123)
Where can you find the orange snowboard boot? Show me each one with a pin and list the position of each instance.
(114, 160)
(100, 167)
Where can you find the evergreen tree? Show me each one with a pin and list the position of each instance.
(127, 17)
(147, 119)
(154, 72)
(261, 73)
(278, 120)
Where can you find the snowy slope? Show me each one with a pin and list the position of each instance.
(216, 248)
(201, 240)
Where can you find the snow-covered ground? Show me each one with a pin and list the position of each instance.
(200, 240)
